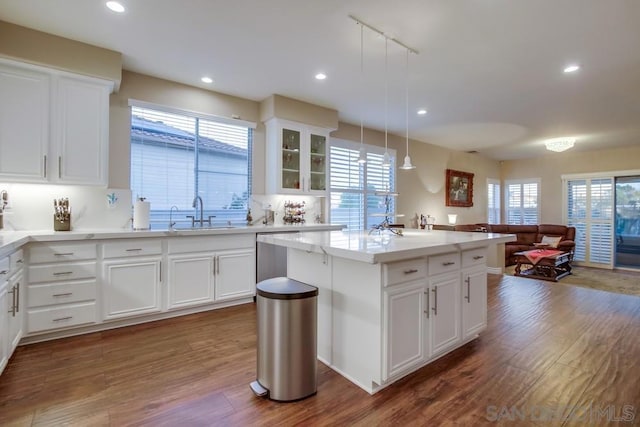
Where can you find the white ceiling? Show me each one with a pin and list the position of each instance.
(488, 71)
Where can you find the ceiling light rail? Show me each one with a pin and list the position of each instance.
(374, 29)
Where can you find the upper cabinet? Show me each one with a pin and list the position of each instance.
(54, 127)
(297, 158)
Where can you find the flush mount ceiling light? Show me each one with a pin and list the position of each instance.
(571, 68)
(115, 6)
(207, 80)
(422, 112)
(321, 76)
(559, 144)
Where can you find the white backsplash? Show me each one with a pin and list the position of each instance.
(31, 207)
(314, 207)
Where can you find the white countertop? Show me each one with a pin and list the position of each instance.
(12, 240)
(386, 247)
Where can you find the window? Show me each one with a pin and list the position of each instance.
(353, 186)
(493, 201)
(589, 203)
(177, 155)
(522, 200)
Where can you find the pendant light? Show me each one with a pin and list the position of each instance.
(386, 161)
(362, 156)
(407, 160)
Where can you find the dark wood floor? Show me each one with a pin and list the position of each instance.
(548, 347)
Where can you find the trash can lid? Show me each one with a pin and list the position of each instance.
(285, 288)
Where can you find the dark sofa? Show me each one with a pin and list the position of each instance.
(527, 235)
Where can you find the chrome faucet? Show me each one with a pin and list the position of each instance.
(171, 221)
(195, 205)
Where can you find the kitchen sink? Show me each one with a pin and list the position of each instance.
(206, 227)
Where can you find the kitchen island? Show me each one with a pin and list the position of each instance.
(388, 305)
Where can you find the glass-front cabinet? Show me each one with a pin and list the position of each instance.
(296, 158)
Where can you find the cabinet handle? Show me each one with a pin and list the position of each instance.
(62, 273)
(63, 254)
(20, 261)
(17, 309)
(66, 294)
(60, 319)
(435, 300)
(13, 301)
(3, 272)
(428, 304)
(217, 265)
(448, 263)
(411, 271)
(468, 282)
(59, 166)
(477, 257)
(133, 250)
(160, 267)
(45, 166)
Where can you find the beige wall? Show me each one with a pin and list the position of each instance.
(298, 111)
(35, 47)
(422, 190)
(551, 167)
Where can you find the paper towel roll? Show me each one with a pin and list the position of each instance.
(141, 215)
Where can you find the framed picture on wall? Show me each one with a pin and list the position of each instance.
(459, 191)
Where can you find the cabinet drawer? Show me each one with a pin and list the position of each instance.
(16, 261)
(61, 293)
(133, 247)
(66, 271)
(61, 317)
(61, 252)
(179, 245)
(474, 257)
(405, 271)
(444, 263)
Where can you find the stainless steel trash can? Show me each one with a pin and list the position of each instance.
(287, 347)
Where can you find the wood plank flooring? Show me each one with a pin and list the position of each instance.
(553, 354)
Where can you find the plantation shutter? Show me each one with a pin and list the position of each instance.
(522, 202)
(493, 201)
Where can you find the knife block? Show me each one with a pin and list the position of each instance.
(62, 225)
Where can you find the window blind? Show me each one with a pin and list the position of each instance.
(493, 201)
(522, 202)
(353, 186)
(175, 157)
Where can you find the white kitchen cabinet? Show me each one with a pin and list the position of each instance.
(62, 286)
(4, 306)
(406, 335)
(15, 292)
(235, 274)
(297, 158)
(131, 278)
(53, 126)
(445, 312)
(474, 302)
(191, 279)
(81, 131)
(24, 124)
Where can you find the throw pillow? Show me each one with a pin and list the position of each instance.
(551, 241)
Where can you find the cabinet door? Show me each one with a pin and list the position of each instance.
(474, 302)
(131, 287)
(316, 181)
(235, 275)
(445, 312)
(291, 140)
(15, 312)
(24, 125)
(4, 329)
(191, 280)
(81, 131)
(404, 335)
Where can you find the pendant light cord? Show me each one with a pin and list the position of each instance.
(362, 84)
(406, 89)
(386, 91)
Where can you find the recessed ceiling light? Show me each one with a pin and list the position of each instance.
(207, 80)
(422, 112)
(321, 76)
(115, 6)
(571, 68)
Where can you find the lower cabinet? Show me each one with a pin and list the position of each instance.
(235, 274)
(407, 336)
(445, 312)
(4, 329)
(191, 279)
(474, 301)
(131, 287)
(16, 311)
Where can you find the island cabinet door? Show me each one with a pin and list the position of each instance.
(405, 328)
(444, 312)
(474, 301)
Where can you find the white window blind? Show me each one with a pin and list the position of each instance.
(493, 201)
(353, 186)
(175, 157)
(522, 200)
(590, 210)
